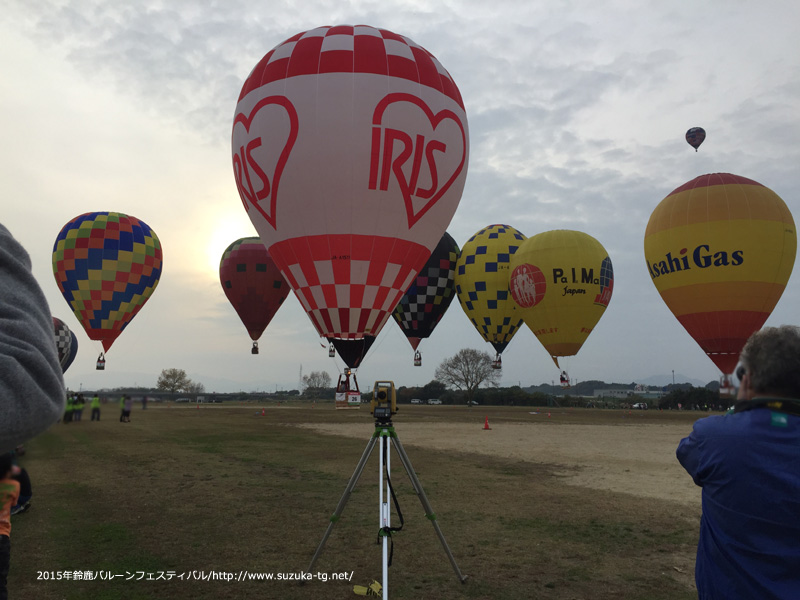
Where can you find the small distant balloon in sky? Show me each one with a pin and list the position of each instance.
(695, 136)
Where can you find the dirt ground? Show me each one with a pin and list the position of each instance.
(636, 459)
(585, 504)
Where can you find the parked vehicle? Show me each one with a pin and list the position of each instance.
(434, 401)
(416, 401)
(640, 405)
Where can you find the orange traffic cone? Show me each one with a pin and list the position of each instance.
(548, 415)
(486, 424)
(262, 412)
(198, 406)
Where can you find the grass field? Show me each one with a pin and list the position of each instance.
(222, 488)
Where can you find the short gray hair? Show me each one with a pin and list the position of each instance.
(772, 359)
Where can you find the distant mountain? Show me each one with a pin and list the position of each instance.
(662, 380)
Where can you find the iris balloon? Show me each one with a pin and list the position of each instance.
(107, 265)
(253, 285)
(562, 282)
(482, 284)
(350, 148)
(425, 302)
(720, 250)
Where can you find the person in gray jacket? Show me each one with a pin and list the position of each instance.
(31, 382)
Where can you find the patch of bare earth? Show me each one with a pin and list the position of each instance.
(632, 459)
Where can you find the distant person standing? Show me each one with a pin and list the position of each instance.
(127, 406)
(95, 406)
(80, 403)
(144, 402)
(69, 409)
(748, 464)
(122, 409)
(31, 380)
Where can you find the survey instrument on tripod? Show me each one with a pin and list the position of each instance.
(383, 406)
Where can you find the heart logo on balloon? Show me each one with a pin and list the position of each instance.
(384, 163)
(254, 184)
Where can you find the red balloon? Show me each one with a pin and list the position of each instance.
(252, 283)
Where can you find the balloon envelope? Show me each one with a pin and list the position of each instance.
(562, 282)
(252, 284)
(720, 250)
(107, 265)
(350, 148)
(695, 136)
(64, 339)
(425, 302)
(481, 281)
(73, 351)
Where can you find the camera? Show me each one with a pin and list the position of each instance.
(384, 400)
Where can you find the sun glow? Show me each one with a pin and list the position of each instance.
(224, 230)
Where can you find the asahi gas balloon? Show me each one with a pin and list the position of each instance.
(720, 250)
(350, 148)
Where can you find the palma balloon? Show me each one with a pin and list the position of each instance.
(720, 250)
(107, 265)
(425, 302)
(482, 283)
(562, 282)
(253, 285)
(350, 148)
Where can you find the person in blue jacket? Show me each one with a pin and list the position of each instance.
(748, 464)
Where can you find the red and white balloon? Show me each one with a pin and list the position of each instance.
(350, 148)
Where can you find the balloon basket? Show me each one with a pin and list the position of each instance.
(101, 362)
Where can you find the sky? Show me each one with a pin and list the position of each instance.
(577, 113)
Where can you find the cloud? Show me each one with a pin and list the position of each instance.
(577, 113)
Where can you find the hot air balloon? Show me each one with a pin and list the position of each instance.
(73, 350)
(695, 136)
(253, 285)
(64, 339)
(562, 282)
(425, 302)
(720, 250)
(482, 284)
(350, 148)
(107, 265)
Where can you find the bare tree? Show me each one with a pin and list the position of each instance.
(194, 387)
(173, 380)
(316, 380)
(467, 370)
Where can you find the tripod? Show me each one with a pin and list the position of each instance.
(386, 436)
